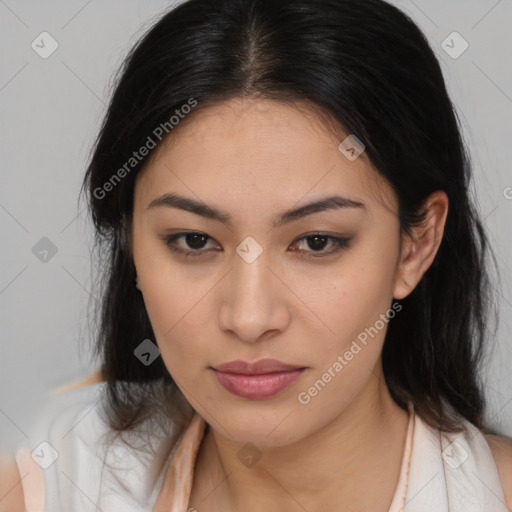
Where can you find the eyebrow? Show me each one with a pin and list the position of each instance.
(172, 200)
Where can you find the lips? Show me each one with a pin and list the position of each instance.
(258, 380)
(257, 368)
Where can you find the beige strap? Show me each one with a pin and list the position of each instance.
(177, 485)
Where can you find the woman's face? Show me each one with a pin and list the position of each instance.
(252, 287)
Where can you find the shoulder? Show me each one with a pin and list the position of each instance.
(501, 448)
(65, 436)
(11, 491)
(64, 428)
(82, 456)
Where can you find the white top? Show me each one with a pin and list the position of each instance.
(78, 468)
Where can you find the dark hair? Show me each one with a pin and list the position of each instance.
(365, 65)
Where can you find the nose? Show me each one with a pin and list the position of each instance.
(254, 301)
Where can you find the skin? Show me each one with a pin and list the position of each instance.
(254, 159)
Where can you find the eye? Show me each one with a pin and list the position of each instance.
(193, 239)
(194, 242)
(318, 241)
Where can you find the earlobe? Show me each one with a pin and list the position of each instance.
(421, 246)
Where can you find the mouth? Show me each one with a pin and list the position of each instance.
(263, 366)
(254, 382)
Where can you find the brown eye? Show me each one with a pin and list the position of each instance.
(316, 242)
(193, 243)
(195, 240)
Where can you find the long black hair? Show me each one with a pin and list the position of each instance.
(363, 64)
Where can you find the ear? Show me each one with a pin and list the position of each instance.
(420, 248)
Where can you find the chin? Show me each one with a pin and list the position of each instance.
(274, 429)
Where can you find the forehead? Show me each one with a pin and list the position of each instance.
(254, 148)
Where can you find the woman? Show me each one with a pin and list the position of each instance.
(295, 300)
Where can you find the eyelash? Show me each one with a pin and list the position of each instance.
(339, 244)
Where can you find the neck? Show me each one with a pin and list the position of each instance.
(352, 463)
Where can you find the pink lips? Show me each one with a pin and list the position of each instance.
(261, 379)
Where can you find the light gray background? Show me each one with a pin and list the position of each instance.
(51, 110)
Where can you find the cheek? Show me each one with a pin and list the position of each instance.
(180, 312)
(357, 308)
(177, 310)
(172, 292)
(351, 299)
